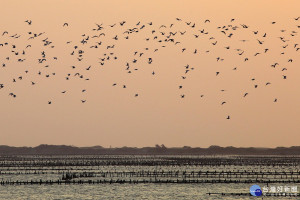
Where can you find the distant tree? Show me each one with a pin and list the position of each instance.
(214, 147)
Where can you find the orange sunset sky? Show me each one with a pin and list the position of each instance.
(113, 115)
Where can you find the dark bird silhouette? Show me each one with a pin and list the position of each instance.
(104, 44)
(29, 22)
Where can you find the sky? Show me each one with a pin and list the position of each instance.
(112, 115)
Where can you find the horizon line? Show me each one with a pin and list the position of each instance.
(156, 145)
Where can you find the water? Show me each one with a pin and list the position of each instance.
(126, 191)
(31, 168)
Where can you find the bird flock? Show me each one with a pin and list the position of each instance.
(104, 40)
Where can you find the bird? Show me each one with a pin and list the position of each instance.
(105, 44)
(260, 42)
(29, 22)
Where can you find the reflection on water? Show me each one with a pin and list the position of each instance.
(143, 177)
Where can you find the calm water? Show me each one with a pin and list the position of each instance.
(29, 168)
(127, 191)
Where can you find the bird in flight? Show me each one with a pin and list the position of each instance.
(115, 45)
(29, 22)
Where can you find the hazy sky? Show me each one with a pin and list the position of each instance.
(112, 115)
